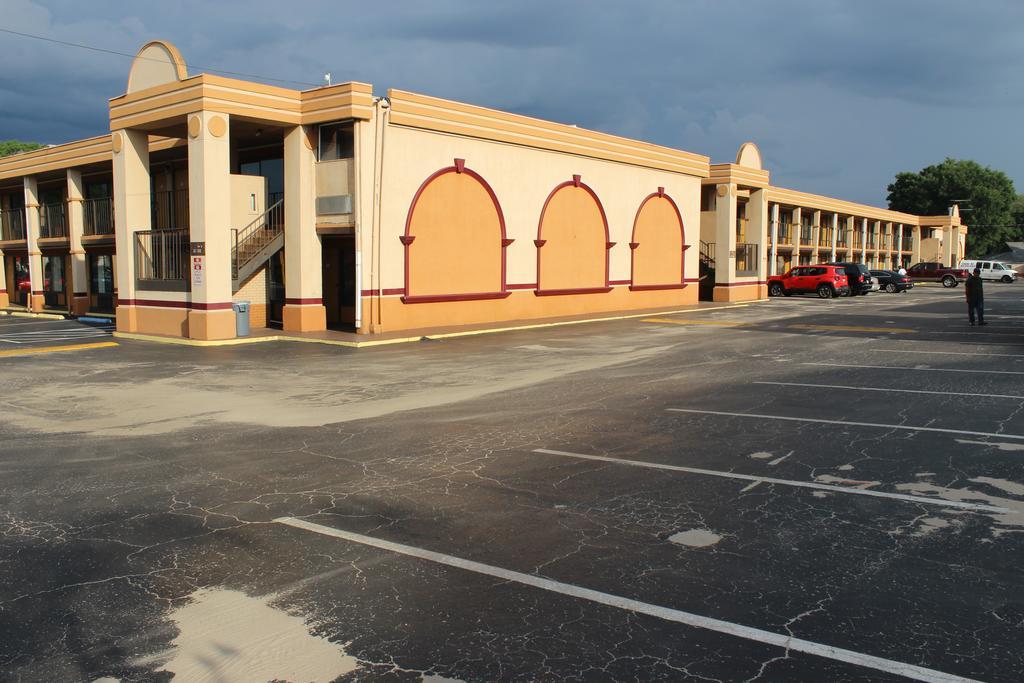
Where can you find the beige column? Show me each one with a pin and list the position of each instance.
(79, 285)
(815, 234)
(950, 236)
(797, 218)
(209, 213)
(915, 248)
(877, 228)
(757, 227)
(35, 257)
(864, 240)
(132, 213)
(850, 226)
(772, 267)
(303, 273)
(835, 235)
(5, 296)
(725, 241)
(899, 243)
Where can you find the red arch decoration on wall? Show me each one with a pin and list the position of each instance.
(540, 241)
(407, 239)
(633, 245)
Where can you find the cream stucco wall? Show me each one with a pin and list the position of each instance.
(522, 178)
(247, 190)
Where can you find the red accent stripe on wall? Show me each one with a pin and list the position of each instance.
(529, 285)
(437, 298)
(560, 292)
(153, 302)
(214, 306)
(647, 288)
(303, 302)
(384, 292)
(615, 283)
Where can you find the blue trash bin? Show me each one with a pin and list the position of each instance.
(241, 309)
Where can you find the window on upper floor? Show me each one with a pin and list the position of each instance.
(337, 141)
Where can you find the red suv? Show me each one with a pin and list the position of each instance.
(826, 281)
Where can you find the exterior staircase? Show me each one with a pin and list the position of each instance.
(252, 245)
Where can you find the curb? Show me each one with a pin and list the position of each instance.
(135, 336)
(26, 314)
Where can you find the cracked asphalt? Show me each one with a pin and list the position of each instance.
(794, 490)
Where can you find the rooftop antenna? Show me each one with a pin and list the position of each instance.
(327, 78)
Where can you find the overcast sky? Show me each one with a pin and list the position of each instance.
(839, 95)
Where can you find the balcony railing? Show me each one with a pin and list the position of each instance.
(825, 237)
(871, 241)
(12, 224)
(857, 240)
(785, 233)
(52, 220)
(162, 256)
(746, 259)
(806, 235)
(170, 210)
(99, 216)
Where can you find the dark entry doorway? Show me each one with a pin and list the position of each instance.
(275, 290)
(339, 273)
(19, 286)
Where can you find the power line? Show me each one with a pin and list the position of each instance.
(131, 56)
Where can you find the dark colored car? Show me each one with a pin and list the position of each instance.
(932, 271)
(825, 281)
(892, 282)
(858, 276)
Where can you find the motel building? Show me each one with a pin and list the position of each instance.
(332, 209)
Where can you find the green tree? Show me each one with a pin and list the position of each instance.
(8, 147)
(986, 198)
(1018, 213)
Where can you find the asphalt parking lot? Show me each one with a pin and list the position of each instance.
(794, 490)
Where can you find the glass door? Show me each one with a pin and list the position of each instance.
(54, 283)
(19, 284)
(101, 283)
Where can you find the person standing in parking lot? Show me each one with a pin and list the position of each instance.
(975, 297)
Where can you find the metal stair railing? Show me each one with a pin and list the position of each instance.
(707, 253)
(247, 243)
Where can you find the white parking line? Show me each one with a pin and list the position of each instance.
(898, 391)
(786, 642)
(831, 488)
(898, 367)
(908, 428)
(951, 353)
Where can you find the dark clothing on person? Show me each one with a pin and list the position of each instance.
(975, 298)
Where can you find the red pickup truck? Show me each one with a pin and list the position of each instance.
(930, 271)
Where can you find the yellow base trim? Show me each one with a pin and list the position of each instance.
(180, 341)
(852, 328)
(675, 321)
(56, 349)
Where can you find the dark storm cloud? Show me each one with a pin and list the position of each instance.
(839, 95)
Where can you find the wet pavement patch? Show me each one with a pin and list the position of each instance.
(695, 538)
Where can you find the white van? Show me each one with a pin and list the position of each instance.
(991, 270)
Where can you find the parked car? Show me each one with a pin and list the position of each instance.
(991, 270)
(891, 281)
(858, 275)
(932, 271)
(826, 281)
